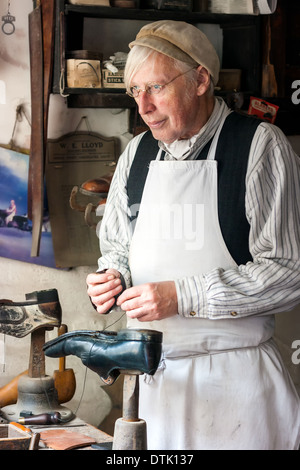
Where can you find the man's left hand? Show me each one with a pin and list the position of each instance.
(149, 302)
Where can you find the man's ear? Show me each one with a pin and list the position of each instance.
(203, 80)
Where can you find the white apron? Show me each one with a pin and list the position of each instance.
(221, 384)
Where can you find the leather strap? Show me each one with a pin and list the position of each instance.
(41, 45)
(35, 176)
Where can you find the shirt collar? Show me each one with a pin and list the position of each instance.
(183, 149)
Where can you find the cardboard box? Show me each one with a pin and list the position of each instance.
(83, 73)
(113, 80)
(262, 109)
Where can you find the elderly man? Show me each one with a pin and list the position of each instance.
(200, 240)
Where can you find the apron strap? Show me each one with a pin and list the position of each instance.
(232, 158)
(146, 151)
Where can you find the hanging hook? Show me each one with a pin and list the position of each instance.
(8, 27)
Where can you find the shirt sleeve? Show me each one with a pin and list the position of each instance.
(115, 229)
(271, 283)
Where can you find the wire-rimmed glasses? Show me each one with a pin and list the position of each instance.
(152, 88)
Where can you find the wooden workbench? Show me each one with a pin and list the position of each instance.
(76, 434)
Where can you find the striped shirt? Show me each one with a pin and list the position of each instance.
(268, 284)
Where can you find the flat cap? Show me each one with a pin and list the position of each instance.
(181, 41)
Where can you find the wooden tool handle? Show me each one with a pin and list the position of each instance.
(45, 418)
(62, 360)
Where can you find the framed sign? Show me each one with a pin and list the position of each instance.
(73, 159)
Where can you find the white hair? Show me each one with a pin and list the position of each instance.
(138, 55)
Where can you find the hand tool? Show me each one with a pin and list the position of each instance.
(43, 418)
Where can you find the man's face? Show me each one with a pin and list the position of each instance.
(173, 113)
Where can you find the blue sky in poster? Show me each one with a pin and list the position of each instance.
(15, 240)
(13, 179)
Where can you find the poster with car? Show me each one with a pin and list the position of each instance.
(15, 227)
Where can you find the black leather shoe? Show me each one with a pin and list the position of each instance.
(108, 353)
(41, 309)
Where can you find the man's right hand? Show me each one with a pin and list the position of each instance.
(102, 289)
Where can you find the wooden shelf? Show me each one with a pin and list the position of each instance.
(155, 15)
(241, 36)
(98, 98)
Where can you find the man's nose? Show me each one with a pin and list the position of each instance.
(144, 102)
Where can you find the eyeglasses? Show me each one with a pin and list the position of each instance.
(151, 87)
